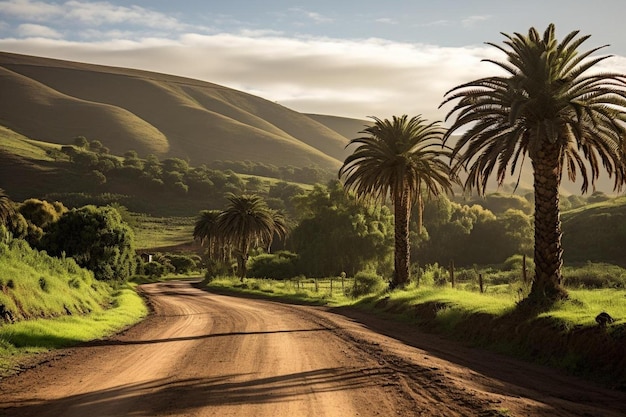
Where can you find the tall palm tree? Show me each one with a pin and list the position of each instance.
(247, 222)
(401, 159)
(550, 107)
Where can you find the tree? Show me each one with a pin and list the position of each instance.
(400, 158)
(97, 239)
(549, 108)
(6, 207)
(81, 142)
(206, 230)
(245, 224)
(338, 233)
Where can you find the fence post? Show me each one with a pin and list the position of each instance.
(331, 286)
(317, 288)
(524, 277)
(452, 273)
(480, 282)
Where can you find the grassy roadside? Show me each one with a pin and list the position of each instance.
(47, 303)
(565, 337)
(24, 338)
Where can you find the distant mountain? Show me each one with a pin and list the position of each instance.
(55, 101)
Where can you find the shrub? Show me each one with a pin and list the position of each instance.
(153, 269)
(43, 284)
(366, 283)
(593, 276)
(97, 238)
(435, 274)
(515, 262)
(182, 263)
(215, 269)
(279, 265)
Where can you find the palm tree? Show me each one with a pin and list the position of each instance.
(6, 207)
(399, 158)
(549, 107)
(281, 227)
(247, 222)
(206, 230)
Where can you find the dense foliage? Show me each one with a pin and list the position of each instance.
(338, 234)
(97, 239)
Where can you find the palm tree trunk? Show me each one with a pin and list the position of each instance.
(420, 212)
(241, 265)
(402, 260)
(548, 283)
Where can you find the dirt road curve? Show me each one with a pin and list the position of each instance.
(202, 354)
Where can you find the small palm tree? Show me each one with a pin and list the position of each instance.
(549, 107)
(206, 230)
(246, 223)
(401, 159)
(281, 227)
(6, 208)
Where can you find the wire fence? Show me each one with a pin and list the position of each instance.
(324, 285)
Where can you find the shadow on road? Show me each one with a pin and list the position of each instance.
(113, 342)
(163, 396)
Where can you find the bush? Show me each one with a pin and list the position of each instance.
(182, 264)
(153, 269)
(279, 265)
(592, 276)
(434, 274)
(215, 269)
(515, 262)
(367, 283)
(97, 238)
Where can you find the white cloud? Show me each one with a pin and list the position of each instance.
(88, 13)
(30, 30)
(98, 13)
(314, 16)
(319, 75)
(473, 20)
(31, 10)
(387, 21)
(354, 78)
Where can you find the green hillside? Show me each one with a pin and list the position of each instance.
(157, 114)
(596, 233)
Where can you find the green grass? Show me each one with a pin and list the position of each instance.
(40, 335)
(52, 303)
(20, 145)
(33, 284)
(584, 305)
(156, 232)
(466, 301)
(298, 291)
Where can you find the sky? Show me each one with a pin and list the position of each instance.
(344, 57)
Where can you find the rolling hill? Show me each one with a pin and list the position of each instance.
(55, 101)
(126, 109)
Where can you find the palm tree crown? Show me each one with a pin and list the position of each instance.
(401, 159)
(550, 107)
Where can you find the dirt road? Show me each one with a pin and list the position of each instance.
(203, 354)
